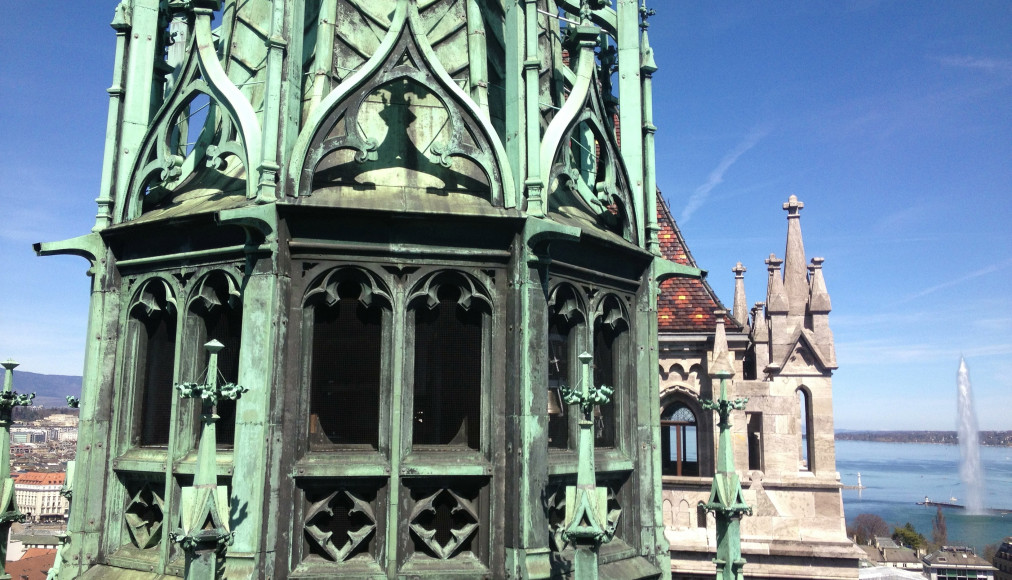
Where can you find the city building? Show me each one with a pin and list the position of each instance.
(1003, 560)
(28, 435)
(957, 563)
(886, 552)
(38, 496)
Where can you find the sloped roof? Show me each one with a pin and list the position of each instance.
(34, 564)
(685, 304)
(36, 478)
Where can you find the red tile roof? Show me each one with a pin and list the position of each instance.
(685, 304)
(37, 478)
(33, 565)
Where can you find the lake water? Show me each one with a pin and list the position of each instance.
(897, 475)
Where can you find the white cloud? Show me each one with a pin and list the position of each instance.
(716, 177)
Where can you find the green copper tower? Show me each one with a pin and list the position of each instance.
(402, 221)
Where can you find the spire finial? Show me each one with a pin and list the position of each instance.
(793, 207)
(720, 366)
(740, 308)
(795, 270)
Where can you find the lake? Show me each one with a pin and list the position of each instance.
(897, 475)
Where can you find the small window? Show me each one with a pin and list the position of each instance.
(679, 441)
(345, 371)
(755, 442)
(806, 459)
(448, 372)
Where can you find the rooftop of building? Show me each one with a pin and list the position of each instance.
(33, 565)
(685, 305)
(956, 557)
(40, 478)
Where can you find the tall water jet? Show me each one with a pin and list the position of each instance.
(971, 472)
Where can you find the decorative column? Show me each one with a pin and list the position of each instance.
(726, 499)
(586, 526)
(205, 531)
(8, 504)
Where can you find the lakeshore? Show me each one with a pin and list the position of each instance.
(987, 438)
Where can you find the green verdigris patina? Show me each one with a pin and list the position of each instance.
(404, 220)
(726, 498)
(9, 512)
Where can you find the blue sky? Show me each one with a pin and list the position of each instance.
(892, 121)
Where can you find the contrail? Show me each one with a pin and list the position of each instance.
(717, 175)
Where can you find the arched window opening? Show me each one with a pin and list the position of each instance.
(605, 354)
(755, 442)
(448, 371)
(225, 326)
(219, 311)
(560, 349)
(564, 321)
(679, 441)
(806, 459)
(156, 364)
(345, 373)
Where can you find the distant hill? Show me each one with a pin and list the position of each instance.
(50, 390)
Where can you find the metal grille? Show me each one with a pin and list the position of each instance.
(447, 392)
(345, 384)
(159, 362)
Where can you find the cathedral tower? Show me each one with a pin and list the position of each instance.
(404, 220)
(784, 358)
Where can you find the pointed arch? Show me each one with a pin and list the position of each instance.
(404, 56)
(346, 333)
(231, 128)
(152, 324)
(607, 199)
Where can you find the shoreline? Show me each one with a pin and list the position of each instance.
(986, 438)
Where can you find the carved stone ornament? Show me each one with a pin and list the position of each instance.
(321, 512)
(144, 517)
(463, 513)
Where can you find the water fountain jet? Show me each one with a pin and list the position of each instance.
(971, 472)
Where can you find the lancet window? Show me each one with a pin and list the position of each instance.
(448, 364)
(565, 322)
(346, 313)
(609, 367)
(806, 456)
(153, 321)
(218, 312)
(755, 441)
